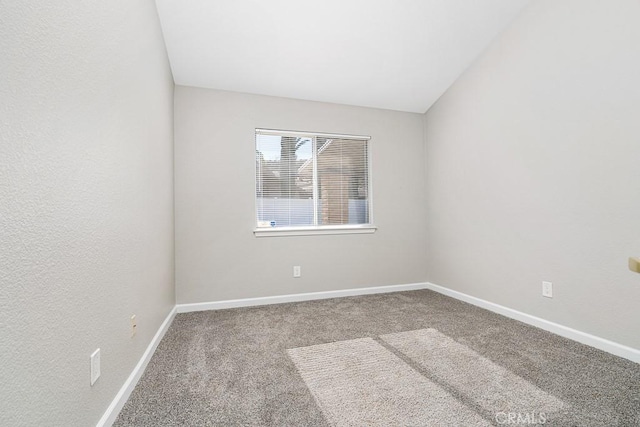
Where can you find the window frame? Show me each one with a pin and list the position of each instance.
(309, 230)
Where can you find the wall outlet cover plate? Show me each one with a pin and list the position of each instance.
(95, 366)
(547, 289)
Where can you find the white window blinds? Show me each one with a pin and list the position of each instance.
(311, 180)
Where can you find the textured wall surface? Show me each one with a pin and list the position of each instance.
(533, 172)
(86, 202)
(217, 255)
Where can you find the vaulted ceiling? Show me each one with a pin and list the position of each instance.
(393, 54)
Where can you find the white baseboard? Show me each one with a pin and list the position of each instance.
(249, 302)
(118, 402)
(564, 331)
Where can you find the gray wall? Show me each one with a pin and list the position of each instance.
(86, 222)
(217, 255)
(533, 169)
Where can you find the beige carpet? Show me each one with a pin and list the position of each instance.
(410, 357)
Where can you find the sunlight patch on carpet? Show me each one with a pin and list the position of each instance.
(359, 382)
(487, 384)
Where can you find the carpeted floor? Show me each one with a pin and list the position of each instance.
(406, 358)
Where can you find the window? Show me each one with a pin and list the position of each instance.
(309, 183)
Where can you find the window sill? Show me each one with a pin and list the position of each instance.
(312, 231)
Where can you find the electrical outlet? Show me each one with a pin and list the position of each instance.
(134, 325)
(547, 289)
(297, 272)
(95, 366)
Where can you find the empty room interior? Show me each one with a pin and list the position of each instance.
(333, 213)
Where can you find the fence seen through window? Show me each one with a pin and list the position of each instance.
(311, 180)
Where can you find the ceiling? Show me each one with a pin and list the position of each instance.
(392, 54)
